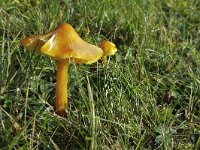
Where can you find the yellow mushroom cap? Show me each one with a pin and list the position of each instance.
(108, 48)
(63, 43)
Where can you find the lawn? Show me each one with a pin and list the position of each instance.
(146, 97)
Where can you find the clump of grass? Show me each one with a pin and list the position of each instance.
(146, 98)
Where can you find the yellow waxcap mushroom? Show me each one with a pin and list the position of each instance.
(63, 44)
(108, 48)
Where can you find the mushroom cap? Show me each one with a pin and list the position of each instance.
(63, 43)
(108, 48)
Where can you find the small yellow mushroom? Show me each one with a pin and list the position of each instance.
(108, 48)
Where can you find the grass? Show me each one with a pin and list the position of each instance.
(147, 97)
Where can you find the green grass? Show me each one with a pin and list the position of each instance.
(147, 97)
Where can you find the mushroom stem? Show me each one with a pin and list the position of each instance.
(61, 87)
(104, 60)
